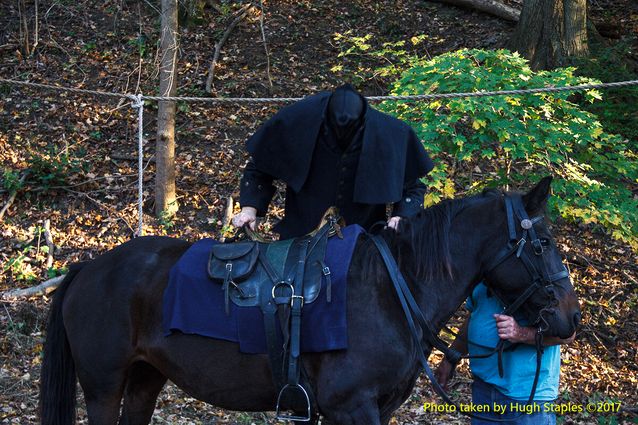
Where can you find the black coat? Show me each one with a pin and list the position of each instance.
(382, 164)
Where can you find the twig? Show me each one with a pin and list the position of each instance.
(49, 241)
(8, 204)
(7, 47)
(159, 12)
(6, 310)
(229, 211)
(596, 334)
(220, 43)
(263, 36)
(36, 31)
(41, 289)
(139, 50)
(12, 197)
(599, 341)
(228, 215)
(629, 276)
(130, 158)
(82, 183)
(24, 28)
(598, 267)
(101, 205)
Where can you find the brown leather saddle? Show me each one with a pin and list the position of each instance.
(279, 277)
(255, 273)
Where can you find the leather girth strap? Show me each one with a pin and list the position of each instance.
(284, 343)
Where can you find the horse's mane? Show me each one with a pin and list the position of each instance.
(422, 243)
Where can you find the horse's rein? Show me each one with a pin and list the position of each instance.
(513, 205)
(515, 210)
(331, 217)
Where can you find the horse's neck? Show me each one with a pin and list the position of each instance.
(467, 237)
(441, 298)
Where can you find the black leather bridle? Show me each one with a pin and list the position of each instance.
(541, 280)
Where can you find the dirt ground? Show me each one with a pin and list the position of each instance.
(82, 151)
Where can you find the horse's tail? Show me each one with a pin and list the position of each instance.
(57, 378)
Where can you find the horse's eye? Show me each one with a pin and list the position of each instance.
(545, 242)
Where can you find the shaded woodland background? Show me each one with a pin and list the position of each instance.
(73, 160)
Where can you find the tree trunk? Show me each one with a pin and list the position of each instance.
(549, 32)
(165, 199)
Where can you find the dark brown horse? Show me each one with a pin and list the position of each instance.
(105, 321)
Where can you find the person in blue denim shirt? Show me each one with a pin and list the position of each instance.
(506, 396)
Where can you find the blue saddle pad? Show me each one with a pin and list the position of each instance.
(193, 304)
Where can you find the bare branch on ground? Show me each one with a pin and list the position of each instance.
(218, 46)
(493, 7)
(263, 36)
(49, 241)
(12, 197)
(41, 289)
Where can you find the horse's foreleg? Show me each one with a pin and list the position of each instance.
(143, 385)
(365, 414)
(389, 404)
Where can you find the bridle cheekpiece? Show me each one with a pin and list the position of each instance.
(542, 279)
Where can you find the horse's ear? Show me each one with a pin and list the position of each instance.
(536, 198)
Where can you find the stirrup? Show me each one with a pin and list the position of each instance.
(284, 417)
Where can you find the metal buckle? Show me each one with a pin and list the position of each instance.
(325, 270)
(293, 298)
(538, 246)
(520, 244)
(229, 267)
(283, 283)
(241, 292)
(283, 417)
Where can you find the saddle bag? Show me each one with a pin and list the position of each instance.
(233, 262)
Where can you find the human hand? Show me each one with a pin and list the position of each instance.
(510, 330)
(393, 222)
(444, 372)
(247, 215)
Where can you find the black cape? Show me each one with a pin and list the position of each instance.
(391, 153)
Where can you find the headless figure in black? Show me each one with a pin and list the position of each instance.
(345, 114)
(331, 176)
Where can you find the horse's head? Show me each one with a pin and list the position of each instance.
(523, 267)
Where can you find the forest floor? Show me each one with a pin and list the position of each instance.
(81, 155)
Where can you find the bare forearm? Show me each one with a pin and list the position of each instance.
(510, 330)
(528, 336)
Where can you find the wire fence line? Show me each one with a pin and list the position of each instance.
(137, 102)
(417, 97)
